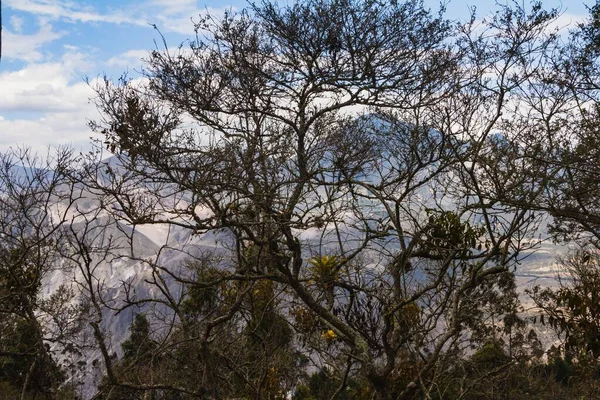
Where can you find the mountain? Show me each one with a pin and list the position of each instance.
(125, 255)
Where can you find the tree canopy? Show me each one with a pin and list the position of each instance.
(346, 190)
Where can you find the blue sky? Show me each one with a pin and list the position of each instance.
(50, 46)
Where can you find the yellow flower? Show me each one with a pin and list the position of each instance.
(324, 270)
(329, 335)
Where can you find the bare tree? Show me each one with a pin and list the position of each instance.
(346, 156)
(36, 324)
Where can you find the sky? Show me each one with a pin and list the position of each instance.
(50, 48)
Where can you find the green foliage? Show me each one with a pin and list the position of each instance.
(325, 270)
(563, 370)
(139, 346)
(27, 358)
(250, 356)
(138, 358)
(445, 233)
(20, 275)
(573, 310)
(205, 294)
(491, 355)
(321, 386)
(26, 363)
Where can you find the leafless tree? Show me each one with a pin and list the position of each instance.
(40, 322)
(352, 160)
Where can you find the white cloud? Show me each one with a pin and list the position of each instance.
(178, 15)
(51, 130)
(567, 21)
(131, 58)
(16, 23)
(40, 88)
(169, 15)
(71, 11)
(27, 47)
(46, 104)
(76, 60)
(176, 6)
(46, 101)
